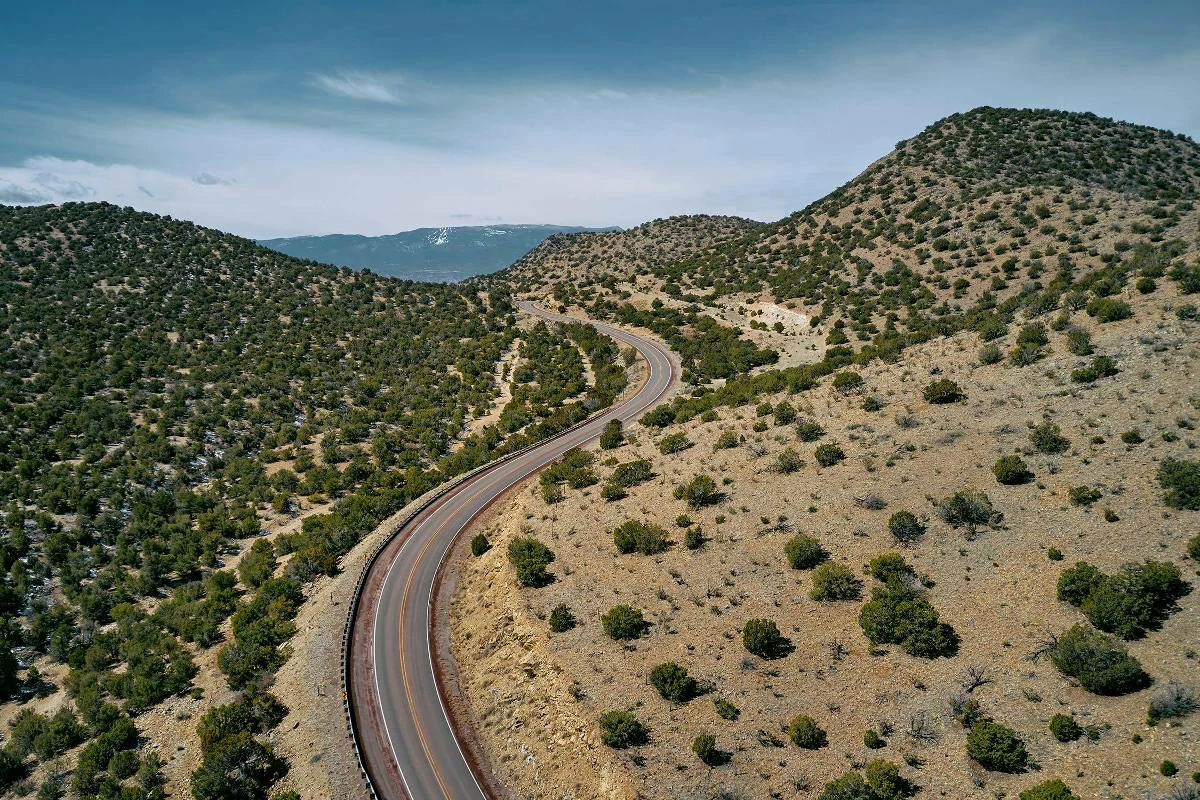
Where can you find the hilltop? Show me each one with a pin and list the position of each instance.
(430, 254)
(843, 561)
(622, 255)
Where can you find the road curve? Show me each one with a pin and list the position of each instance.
(406, 743)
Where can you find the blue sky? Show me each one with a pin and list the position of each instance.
(271, 118)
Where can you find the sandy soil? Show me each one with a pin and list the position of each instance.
(536, 695)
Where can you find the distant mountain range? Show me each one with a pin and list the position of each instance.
(428, 254)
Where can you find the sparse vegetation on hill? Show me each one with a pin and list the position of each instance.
(1014, 289)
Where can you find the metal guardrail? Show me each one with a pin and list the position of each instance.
(432, 497)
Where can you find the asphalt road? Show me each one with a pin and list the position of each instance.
(408, 745)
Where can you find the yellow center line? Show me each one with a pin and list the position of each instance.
(403, 660)
(404, 675)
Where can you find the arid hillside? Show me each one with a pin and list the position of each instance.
(944, 544)
(976, 210)
(608, 257)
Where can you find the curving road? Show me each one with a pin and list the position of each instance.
(406, 742)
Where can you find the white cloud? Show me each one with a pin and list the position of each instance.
(369, 86)
(761, 146)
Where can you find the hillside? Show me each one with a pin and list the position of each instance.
(428, 254)
(601, 258)
(851, 570)
(196, 431)
(976, 210)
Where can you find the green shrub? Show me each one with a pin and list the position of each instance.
(1099, 662)
(726, 709)
(700, 491)
(991, 327)
(969, 509)
(1193, 547)
(705, 748)
(804, 732)
(762, 638)
(942, 391)
(1108, 309)
(809, 431)
(872, 740)
(996, 747)
(620, 729)
(238, 766)
(631, 473)
(1079, 341)
(886, 782)
(674, 443)
(899, 614)
(1180, 480)
(727, 441)
(658, 417)
(847, 382)
(640, 537)
(1048, 438)
(530, 558)
(905, 527)
(611, 492)
(785, 413)
(257, 565)
(693, 538)
(1049, 790)
(1024, 354)
(990, 354)
(480, 544)
(673, 682)
(572, 468)
(834, 581)
(1030, 344)
(789, 461)
(1054, 554)
(623, 622)
(829, 454)
(561, 619)
(1132, 437)
(255, 712)
(1011, 470)
(1077, 582)
(552, 493)
(1101, 367)
(850, 786)
(1033, 334)
(1187, 276)
(1137, 598)
(871, 403)
(804, 552)
(1168, 769)
(613, 435)
(1065, 728)
(1083, 495)
(888, 567)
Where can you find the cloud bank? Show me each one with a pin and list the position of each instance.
(370, 152)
